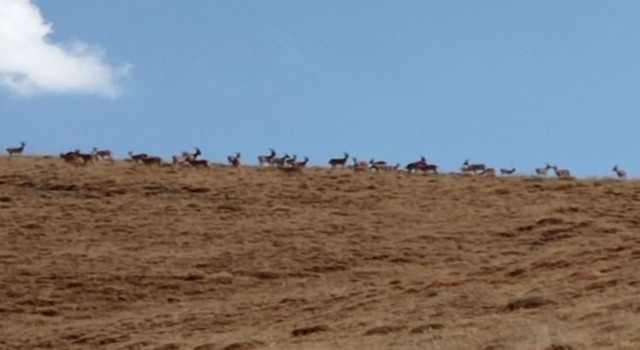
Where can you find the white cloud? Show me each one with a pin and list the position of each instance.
(31, 64)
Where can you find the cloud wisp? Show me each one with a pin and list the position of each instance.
(31, 64)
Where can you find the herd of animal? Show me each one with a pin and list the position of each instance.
(291, 164)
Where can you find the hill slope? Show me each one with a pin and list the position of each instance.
(119, 256)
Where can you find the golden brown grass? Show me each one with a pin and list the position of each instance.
(123, 256)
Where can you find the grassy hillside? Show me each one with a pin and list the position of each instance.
(122, 256)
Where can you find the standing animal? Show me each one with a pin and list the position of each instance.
(504, 171)
(267, 158)
(429, 168)
(373, 162)
(335, 162)
(72, 158)
(86, 157)
(543, 171)
(292, 161)
(621, 173)
(234, 160)
(195, 155)
(180, 159)
(466, 166)
(303, 163)
(184, 157)
(563, 173)
(280, 161)
(102, 154)
(137, 157)
(16, 150)
(418, 165)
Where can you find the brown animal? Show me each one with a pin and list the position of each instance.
(360, 167)
(418, 165)
(384, 167)
(16, 150)
(362, 163)
(467, 167)
(138, 157)
(184, 157)
(86, 157)
(179, 159)
(428, 168)
(151, 161)
(291, 169)
(72, 158)
(199, 163)
(102, 154)
(488, 172)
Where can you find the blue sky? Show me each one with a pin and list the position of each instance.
(509, 83)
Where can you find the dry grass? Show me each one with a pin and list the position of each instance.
(122, 256)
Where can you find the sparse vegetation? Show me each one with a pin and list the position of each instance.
(124, 256)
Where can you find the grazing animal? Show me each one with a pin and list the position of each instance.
(384, 167)
(72, 158)
(621, 173)
(180, 159)
(138, 157)
(562, 173)
(151, 161)
(361, 163)
(102, 154)
(543, 171)
(360, 167)
(373, 162)
(488, 172)
(86, 157)
(335, 162)
(267, 158)
(291, 169)
(504, 171)
(16, 150)
(234, 160)
(466, 167)
(69, 154)
(198, 163)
